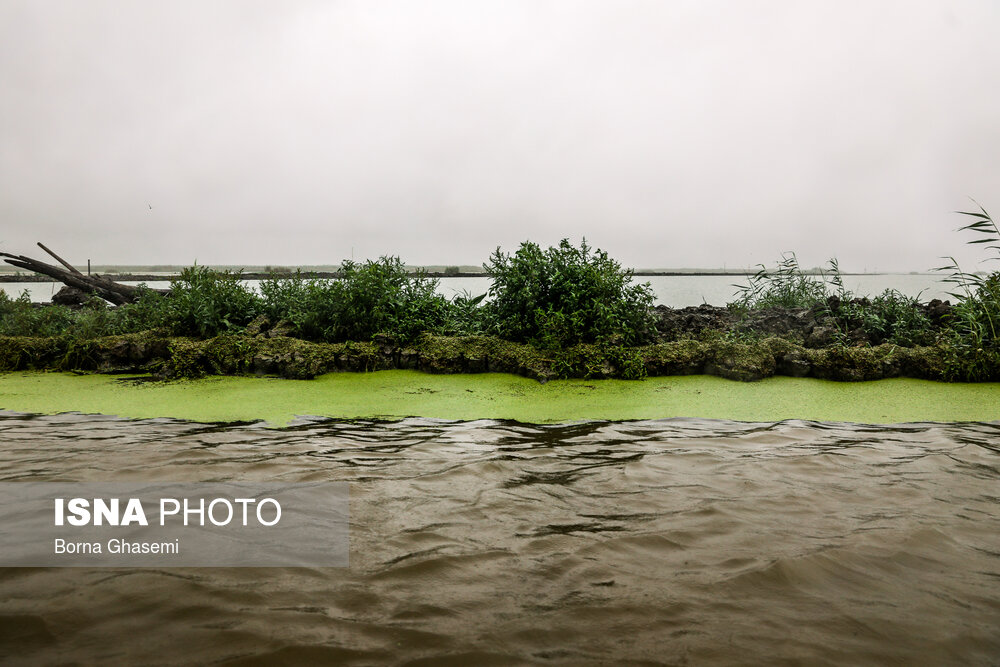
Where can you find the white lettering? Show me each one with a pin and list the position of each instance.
(134, 513)
(200, 511)
(103, 511)
(64, 547)
(79, 509)
(118, 546)
(277, 511)
(211, 514)
(163, 508)
(244, 502)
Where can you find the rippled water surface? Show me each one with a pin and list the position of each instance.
(658, 542)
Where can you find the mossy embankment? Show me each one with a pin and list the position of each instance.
(561, 312)
(169, 357)
(397, 394)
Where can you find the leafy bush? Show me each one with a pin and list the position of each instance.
(308, 304)
(95, 319)
(565, 295)
(19, 317)
(465, 315)
(149, 311)
(204, 302)
(369, 298)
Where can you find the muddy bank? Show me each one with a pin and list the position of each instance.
(814, 327)
(712, 340)
(173, 357)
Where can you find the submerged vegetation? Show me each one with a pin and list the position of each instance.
(564, 311)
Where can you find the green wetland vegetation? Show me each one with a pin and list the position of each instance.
(551, 313)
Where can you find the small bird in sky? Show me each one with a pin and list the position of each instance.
(150, 206)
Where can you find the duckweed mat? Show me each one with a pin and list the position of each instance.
(398, 393)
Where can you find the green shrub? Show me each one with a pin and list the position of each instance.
(94, 320)
(564, 296)
(891, 317)
(204, 303)
(19, 317)
(308, 304)
(367, 299)
(465, 315)
(149, 311)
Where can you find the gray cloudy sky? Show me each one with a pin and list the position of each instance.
(671, 133)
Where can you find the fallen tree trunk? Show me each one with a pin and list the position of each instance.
(105, 288)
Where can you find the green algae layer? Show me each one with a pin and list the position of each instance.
(396, 394)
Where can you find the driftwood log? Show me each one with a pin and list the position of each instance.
(105, 288)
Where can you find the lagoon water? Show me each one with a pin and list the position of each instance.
(681, 291)
(673, 291)
(474, 543)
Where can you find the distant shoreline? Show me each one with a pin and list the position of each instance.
(259, 275)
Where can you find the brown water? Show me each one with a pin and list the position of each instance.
(657, 542)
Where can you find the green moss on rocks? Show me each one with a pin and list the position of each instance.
(285, 357)
(475, 354)
(744, 358)
(22, 353)
(110, 353)
(681, 357)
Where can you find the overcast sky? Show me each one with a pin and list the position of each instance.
(670, 133)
